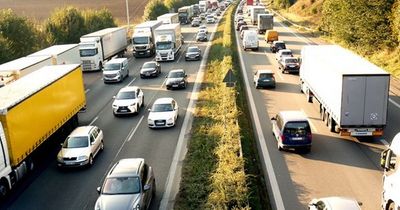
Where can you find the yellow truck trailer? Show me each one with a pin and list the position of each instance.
(31, 109)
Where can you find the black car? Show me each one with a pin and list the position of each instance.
(176, 79)
(193, 53)
(240, 23)
(277, 45)
(201, 36)
(150, 69)
(289, 64)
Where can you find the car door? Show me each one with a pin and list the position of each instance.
(175, 107)
(275, 127)
(93, 143)
(140, 96)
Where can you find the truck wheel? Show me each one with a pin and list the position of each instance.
(332, 125)
(391, 206)
(4, 189)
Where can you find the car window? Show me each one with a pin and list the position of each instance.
(286, 53)
(76, 142)
(92, 138)
(265, 75)
(95, 132)
(176, 74)
(121, 185)
(300, 128)
(162, 108)
(193, 49)
(149, 65)
(126, 95)
(112, 66)
(291, 60)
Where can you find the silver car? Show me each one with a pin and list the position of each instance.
(80, 147)
(130, 184)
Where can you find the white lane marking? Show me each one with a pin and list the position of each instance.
(295, 34)
(311, 123)
(173, 179)
(277, 72)
(264, 150)
(87, 90)
(94, 120)
(394, 103)
(131, 82)
(384, 142)
(129, 137)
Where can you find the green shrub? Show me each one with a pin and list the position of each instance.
(154, 9)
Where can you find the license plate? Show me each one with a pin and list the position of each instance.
(174, 85)
(292, 66)
(147, 74)
(123, 110)
(297, 138)
(141, 53)
(159, 123)
(361, 133)
(69, 163)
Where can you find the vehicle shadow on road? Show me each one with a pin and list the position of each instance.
(287, 88)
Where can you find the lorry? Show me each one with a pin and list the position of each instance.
(169, 18)
(203, 6)
(254, 12)
(196, 10)
(352, 92)
(61, 54)
(185, 14)
(265, 22)
(391, 175)
(20, 67)
(249, 2)
(32, 109)
(143, 38)
(98, 47)
(169, 41)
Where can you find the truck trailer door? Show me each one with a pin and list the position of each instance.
(353, 99)
(376, 99)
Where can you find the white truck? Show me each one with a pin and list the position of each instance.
(185, 14)
(352, 92)
(169, 41)
(98, 47)
(143, 38)
(169, 18)
(254, 11)
(390, 162)
(203, 6)
(265, 22)
(61, 54)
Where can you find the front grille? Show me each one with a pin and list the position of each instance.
(69, 158)
(159, 122)
(123, 109)
(110, 75)
(85, 62)
(140, 48)
(164, 54)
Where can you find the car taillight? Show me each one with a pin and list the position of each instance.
(309, 136)
(283, 138)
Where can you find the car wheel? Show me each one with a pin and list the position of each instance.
(279, 147)
(90, 163)
(4, 189)
(137, 109)
(142, 105)
(101, 146)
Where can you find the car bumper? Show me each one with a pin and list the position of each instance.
(175, 86)
(142, 53)
(266, 84)
(114, 79)
(152, 74)
(160, 124)
(192, 58)
(295, 146)
(72, 164)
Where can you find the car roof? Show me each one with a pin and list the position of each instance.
(285, 50)
(279, 41)
(265, 71)
(126, 167)
(128, 89)
(81, 130)
(341, 203)
(292, 116)
(191, 47)
(163, 100)
(150, 62)
(117, 60)
(288, 58)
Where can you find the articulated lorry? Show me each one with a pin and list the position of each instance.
(254, 12)
(390, 162)
(98, 47)
(265, 22)
(196, 10)
(143, 42)
(169, 18)
(169, 41)
(185, 14)
(352, 92)
(61, 54)
(32, 109)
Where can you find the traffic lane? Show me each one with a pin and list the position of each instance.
(393, 121)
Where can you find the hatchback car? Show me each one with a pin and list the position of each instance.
(334, 203)
(193, 53)
(129, 184)
(150, 69)
(210, 19)
(163, 113)
(277, 45)
(176, 79)
(289, 64)
(283, 53)
(201, 37)
(202, 16)
(292, 130)
(128, 100)
(80, 147)
(264, 78)
(240, 23)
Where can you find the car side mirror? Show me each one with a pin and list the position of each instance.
(273, 118)
(185, 75)
(146, 187)
(149, 110)
(61, 144)
(98, 189)
(166, 76)
(114, 97)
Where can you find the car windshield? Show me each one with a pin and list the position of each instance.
(300, 128)
(176, 74)
(76, 142)
(291, 60)
(162, 108)
(149, 65)
(280, 45)
(121, 185)
(163, 45)
(265, 75)
(126, 95)
(201, 34)
(112, 67)
(286, 53)
(193, 49)
(140, 40)
(88, 52)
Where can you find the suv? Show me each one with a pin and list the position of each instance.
(289, 64)
(264, 78)
(130, 184)
(80, 147)
(128, 100)
(176, 79)
(283, 53)
(115, 70)
(277, 45)
(292, 130)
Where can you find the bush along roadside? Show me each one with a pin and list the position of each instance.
(221, 169)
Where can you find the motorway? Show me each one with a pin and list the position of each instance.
(336, 166)
(124, 137)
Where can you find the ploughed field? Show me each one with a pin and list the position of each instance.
(41, 9)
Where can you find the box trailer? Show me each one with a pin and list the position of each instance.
(265, 22)
(169, 18)
(185, 14)
(32, 109)
(255, 11)
(61, 54)
(169, 41)
(352, 92)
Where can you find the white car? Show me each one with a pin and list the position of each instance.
(210, 19)
(203, 28)
(283, 53)
(128, 100)
(334, 203)
(163, 113)
(80, 147)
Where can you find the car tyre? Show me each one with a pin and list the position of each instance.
(142, 105)
(90, 163)
(279, 147)
(4, 189)
(102, 146)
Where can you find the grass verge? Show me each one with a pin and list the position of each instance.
(221, 166)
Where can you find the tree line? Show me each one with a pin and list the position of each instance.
(155, 8)
(20, 36)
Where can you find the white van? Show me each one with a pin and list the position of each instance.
(115, 70)
(250, 40)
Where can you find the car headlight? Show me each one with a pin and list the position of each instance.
(182, 82)
(82, 157)
(59, 157)
(97, 206)
(132, 104)
(148, 51)
(170, 120)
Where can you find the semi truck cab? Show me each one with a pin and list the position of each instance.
(165, 48)
(142, 44)
(91, 54)
(390, 162)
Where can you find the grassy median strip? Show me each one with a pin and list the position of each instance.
(214, 171)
